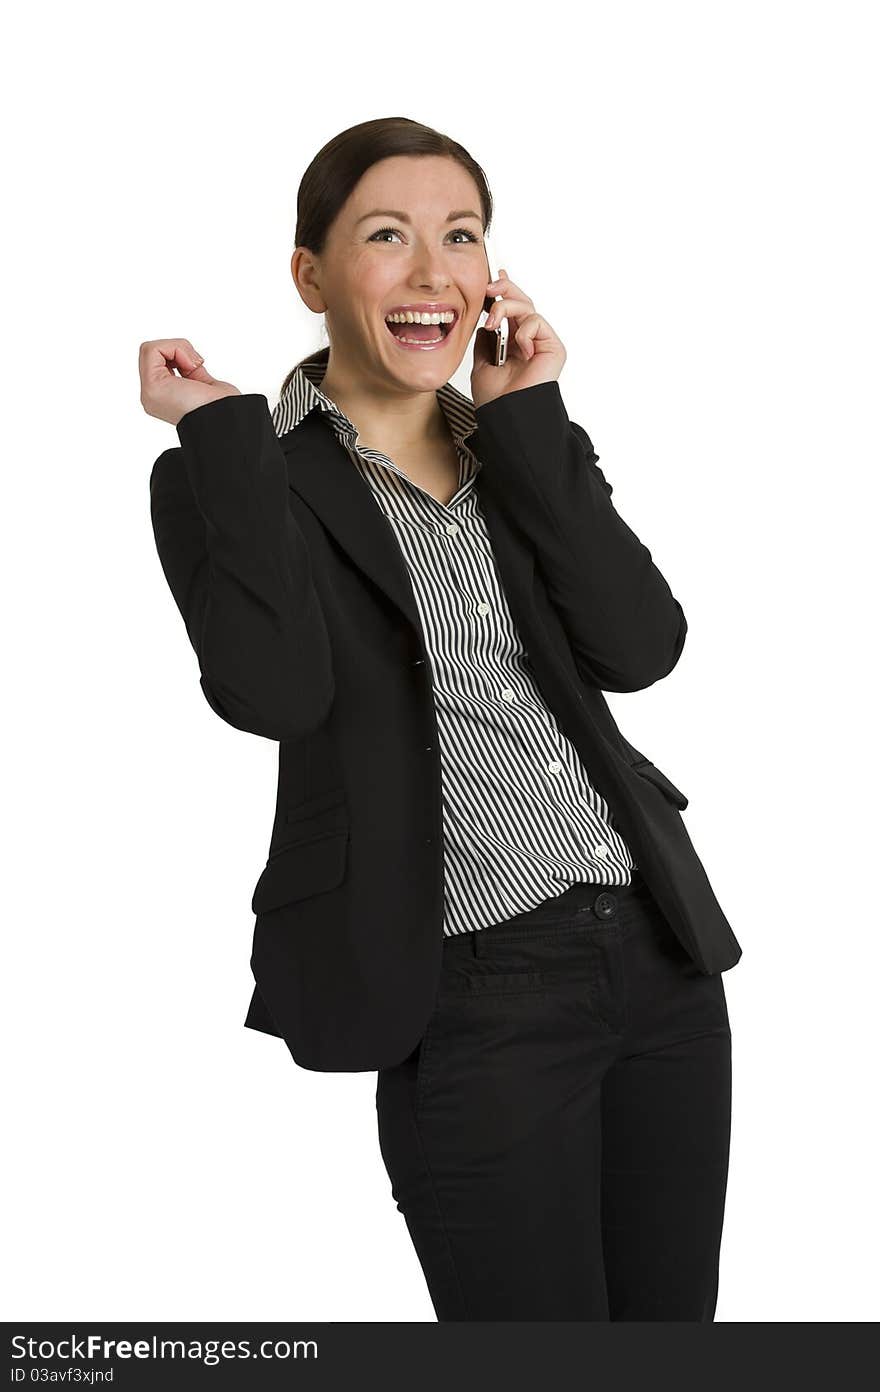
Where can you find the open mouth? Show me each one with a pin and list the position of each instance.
(422, 337)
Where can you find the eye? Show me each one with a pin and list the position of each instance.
(458, 231)
(381, 232)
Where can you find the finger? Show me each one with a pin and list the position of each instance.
(173, 359)
(187, 356)
(506, 289)
(504, 286)
(510, 305)
(502, 278)
(196, 373)
(189, 361)
(508, 309)
(531, 332)
(161, 353)
(523, 340)
(524, 344)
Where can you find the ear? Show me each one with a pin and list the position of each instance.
(304, 269)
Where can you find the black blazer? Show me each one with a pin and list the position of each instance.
(298, 603)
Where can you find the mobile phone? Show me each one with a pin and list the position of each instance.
(501, 331)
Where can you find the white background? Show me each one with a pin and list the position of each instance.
(687, 193)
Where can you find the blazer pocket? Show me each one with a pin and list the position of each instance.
(305, 821)
(311, 865)
(658, 777)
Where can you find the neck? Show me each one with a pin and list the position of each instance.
(386, 416)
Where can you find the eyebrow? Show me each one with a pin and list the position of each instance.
(402, 217)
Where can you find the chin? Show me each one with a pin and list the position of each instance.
(419, 367)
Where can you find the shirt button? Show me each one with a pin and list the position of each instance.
(508, 693)
(601, 849)
(451, 528)
(554, 767)
(482, 607)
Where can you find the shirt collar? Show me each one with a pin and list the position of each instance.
(303, 394)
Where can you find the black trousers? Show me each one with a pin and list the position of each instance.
(558, 1141)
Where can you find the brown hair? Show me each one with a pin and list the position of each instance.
(340, 164)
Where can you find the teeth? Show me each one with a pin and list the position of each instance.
(410, 316)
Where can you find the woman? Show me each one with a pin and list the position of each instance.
(422, 597)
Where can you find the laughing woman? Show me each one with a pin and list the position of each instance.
(475, 885)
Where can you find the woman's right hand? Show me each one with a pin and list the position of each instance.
(168, 396)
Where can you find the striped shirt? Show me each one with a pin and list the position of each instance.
(521, 820)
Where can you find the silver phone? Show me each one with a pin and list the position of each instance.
(501, 331)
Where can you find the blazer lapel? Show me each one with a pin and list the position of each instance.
(321, 472)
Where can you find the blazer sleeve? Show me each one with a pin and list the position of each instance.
(624, 625)
(238, 567)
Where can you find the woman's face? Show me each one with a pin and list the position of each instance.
(410, 235)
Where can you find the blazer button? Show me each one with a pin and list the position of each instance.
(419, 662)
(605, 905)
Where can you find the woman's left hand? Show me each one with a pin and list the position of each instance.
(534, 352)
